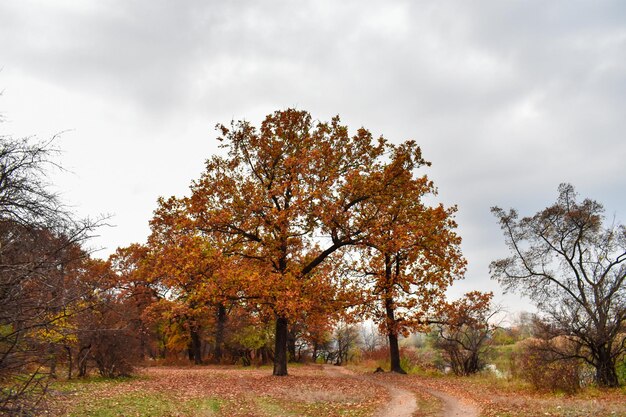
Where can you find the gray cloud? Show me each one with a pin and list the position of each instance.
(507, 99)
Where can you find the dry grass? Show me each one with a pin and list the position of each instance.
(501, 398)
(507, 398)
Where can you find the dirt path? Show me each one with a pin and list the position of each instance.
(403, 403)
(453, 407)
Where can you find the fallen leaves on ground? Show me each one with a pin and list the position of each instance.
(310, 391)
(307, 391)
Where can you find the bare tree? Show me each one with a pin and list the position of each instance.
(39, 243)
(573, 266)
(346, 338)
(371, 338)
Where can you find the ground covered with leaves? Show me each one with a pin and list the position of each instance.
(311, 391)
(221, 391)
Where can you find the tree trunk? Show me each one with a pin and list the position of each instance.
(53, 361)
(265, 355)
(314, 354)
(392, 335)
(195, 347)
(83, 356)
(68, 349)
(394, 352)
(280, 349)
(470, 365)
(606, 374)
(162, 348)
(219, 333)
(291, 346)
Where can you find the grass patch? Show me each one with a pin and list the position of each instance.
(86, 386)
(61, 384)
(272, 407)
(146, 405)
(502, 357)
(428, 406)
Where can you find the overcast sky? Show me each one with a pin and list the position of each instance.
(507, 98)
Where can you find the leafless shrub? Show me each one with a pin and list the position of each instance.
(539, 363)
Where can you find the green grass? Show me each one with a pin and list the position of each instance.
(501, 356)
(428, 406)
(271, 407)
(146, 405)
(76, 383)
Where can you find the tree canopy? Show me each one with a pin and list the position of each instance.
(294, 194)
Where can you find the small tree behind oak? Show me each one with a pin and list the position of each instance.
(412, 254)
(573, 266)
(194, 268)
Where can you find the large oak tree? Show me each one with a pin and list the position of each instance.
(290, 195)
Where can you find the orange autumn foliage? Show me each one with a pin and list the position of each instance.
(412, 254)
(290, 196)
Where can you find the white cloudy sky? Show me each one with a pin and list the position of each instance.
(507, 98)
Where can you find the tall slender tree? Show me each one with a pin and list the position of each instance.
(412, 254)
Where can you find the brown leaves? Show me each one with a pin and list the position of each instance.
(280, 189)
(285, 206)
(474, 309)
(308, 392)
(411, 252)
